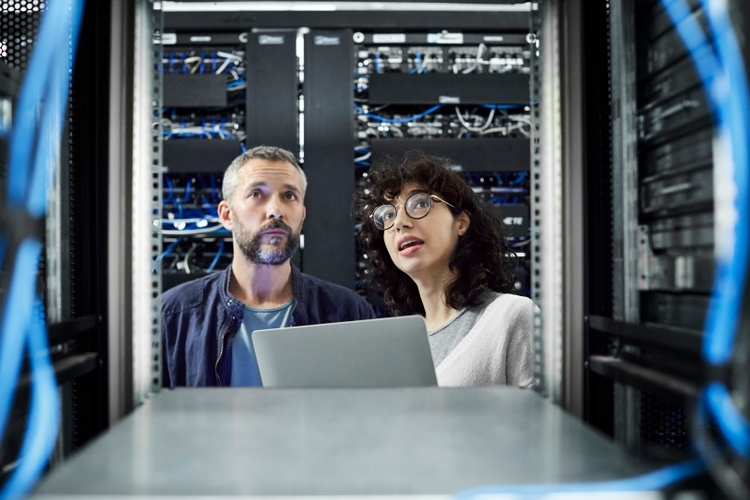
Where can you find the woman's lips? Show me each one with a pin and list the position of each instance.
(411, 249)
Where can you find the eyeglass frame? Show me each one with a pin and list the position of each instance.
(431, 197)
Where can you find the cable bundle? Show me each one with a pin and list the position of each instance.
(34, 151)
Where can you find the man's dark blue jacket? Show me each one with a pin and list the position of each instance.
(200, 318)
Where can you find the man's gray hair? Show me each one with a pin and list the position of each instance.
(270, 153)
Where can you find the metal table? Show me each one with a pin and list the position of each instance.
(289, 442)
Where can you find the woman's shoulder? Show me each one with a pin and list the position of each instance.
(507, 302)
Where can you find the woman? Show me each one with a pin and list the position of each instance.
(434, 251)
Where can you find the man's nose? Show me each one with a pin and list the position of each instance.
(274, 208)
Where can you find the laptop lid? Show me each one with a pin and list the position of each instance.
(386, 352)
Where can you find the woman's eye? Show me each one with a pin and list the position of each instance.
(388, 215)
(421, 204)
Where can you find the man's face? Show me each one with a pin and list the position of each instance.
(266, 212)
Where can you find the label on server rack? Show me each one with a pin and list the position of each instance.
(327, 40)
(271, 40)
(445, 37)
(168, 38)
(389, 38)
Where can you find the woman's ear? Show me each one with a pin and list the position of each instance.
(464, 221)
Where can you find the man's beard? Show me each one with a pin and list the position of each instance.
(250, 243)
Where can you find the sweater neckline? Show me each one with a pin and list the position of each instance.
(449, 323)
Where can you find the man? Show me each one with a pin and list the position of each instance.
(207, 322)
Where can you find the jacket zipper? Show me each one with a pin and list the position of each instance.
(218, 358)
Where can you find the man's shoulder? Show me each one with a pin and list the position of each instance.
(188, 295)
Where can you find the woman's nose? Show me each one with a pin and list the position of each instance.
(401, 219)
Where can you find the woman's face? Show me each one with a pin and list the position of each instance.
(423, 248)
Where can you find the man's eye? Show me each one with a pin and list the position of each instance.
(291, 196)
(255, 194)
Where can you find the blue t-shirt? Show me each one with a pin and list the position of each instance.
(245, 371)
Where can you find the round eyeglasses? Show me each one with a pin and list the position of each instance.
(417, 206)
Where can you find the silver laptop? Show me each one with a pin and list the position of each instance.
(387, 352)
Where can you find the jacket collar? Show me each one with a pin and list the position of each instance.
(229, 300)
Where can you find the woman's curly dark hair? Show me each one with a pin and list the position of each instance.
(482, 259)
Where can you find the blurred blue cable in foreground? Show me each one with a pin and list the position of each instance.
(34, 153)
(724, 78)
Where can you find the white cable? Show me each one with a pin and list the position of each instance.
(475, 129)
(363, 157)
(480, 50)
(190, 60)
(505, 130)
(185, 263)
(395, 129)
(229, 56)
(223, 66)
(175, 232)
(190, 220)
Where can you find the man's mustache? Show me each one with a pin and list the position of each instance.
(275, 224)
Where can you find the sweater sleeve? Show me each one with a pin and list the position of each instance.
(519, 361)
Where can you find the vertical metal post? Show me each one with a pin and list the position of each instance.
(547, 204)
(573, 203)
(156, 89)
(119, 293)
(146, 208)
(625, 200)
(535, 35)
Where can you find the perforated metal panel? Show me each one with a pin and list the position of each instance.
(19, 23)
(663, 424)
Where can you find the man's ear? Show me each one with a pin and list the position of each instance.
(225, 215)
(464, 221)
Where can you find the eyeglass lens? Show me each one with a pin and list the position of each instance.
(417, 206)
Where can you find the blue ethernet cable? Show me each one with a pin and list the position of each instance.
(46, 75)
(187, 191)
(168, 250)
(503, 106)
(727, 88)
(419, 66)
(40, 434)
(396, 120)
(51, 125)
(51, 31)
(170, 190)
(218, 255)
(20, 296)
(734, 106)
(732, 424)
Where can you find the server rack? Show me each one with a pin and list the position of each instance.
(651, 222)
(316, 89)
(72, 270)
